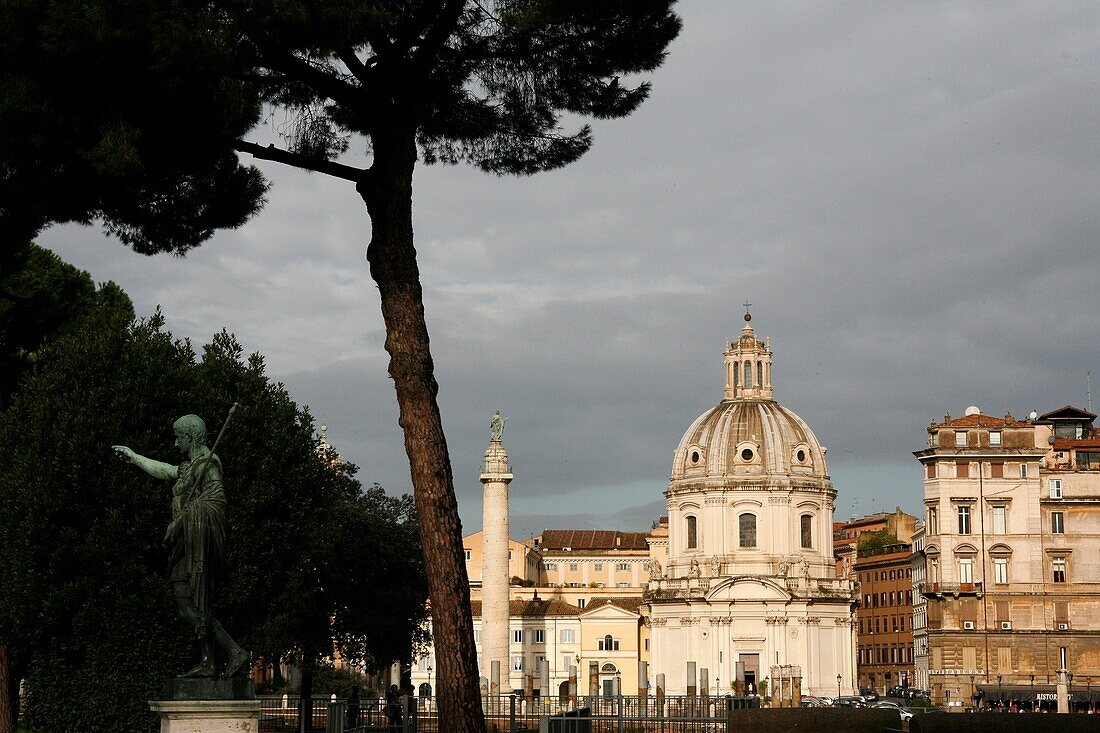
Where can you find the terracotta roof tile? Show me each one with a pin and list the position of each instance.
(628, 603)
(982, 421)
(592, 539)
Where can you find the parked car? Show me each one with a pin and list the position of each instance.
(850, 701)
(868, 694)
(889, 705)
(809, 701)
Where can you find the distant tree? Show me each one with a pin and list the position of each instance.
(41, 297)
(450, 81)
(869, 541)
(82, 570)
(40, 302)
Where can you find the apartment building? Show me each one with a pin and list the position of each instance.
(1012, 557)
(884, 654)
(593, 558)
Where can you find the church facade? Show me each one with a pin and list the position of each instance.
(749, 581)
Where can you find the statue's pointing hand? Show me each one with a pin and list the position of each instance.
(124, 453)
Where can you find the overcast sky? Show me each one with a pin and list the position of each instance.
(906, 192)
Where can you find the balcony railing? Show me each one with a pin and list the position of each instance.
(931, 590)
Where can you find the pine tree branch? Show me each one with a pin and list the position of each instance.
(286, 157)
(355, 65)
(324, 83)
(437, 34)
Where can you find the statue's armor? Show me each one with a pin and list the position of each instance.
(197, 551)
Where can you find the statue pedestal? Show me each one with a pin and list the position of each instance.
(207, 716)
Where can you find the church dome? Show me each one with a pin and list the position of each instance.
(748, 434)
(747, 437)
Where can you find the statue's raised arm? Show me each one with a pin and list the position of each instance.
(156, 469)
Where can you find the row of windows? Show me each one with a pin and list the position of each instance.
(896, 622)
(874, 575)
(963, 469)
(962, 436)
(965, 566)
(899, 598)
(565, 636)
(566, 662)
(748, 374)
(886, 654)
(596, 567)
(998, 517)
(746, 530)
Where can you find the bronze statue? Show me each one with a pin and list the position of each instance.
(196, 539)
(496, 427)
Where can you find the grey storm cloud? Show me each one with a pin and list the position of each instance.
(907, 193)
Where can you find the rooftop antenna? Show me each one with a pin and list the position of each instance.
(1088, 387)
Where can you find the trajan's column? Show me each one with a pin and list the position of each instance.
(496, 474)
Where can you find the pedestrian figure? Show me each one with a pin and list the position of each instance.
(353, 708)
(393, 707)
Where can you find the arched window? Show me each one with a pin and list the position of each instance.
(748, 375)
(760, 373)
(692, 533)
(609, 644)
(807, 530)
(735, 376)
(746, 528)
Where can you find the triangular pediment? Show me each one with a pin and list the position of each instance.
(607, 611)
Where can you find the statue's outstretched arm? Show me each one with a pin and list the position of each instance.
(156, 469)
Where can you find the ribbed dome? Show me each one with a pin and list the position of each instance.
(746, 438)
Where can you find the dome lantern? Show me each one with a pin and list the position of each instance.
(748, 367)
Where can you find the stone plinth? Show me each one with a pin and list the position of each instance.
(207, 716)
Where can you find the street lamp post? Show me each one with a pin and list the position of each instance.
(838, 687)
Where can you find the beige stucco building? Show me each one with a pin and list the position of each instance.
(750, 576)
(593, 558)
(1011, 555)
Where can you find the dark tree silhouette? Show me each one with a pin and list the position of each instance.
(154, 97)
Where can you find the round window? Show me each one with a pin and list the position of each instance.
(746, 454)
(695, 456)
(800, 455)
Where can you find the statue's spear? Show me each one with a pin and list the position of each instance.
(201, 475)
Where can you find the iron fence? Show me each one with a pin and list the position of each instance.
(505, 714)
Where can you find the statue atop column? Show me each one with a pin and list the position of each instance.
(195, 539)
(496, 427)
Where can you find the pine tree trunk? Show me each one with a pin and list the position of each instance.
(387, 191)
(7, 713)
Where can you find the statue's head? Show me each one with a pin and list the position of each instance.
(190, 432)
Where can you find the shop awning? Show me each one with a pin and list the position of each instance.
(1035, 693)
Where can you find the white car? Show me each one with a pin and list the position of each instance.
(905, 714)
